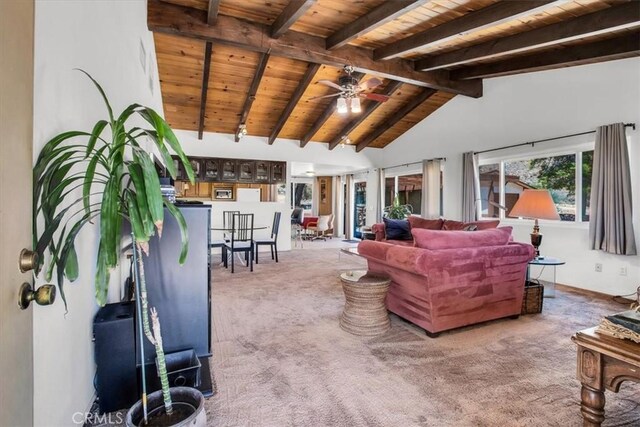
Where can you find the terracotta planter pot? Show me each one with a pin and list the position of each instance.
(189, 402)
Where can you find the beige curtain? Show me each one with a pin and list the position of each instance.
(349, 214)
(431, 188)
(610, 222)
(380, 198)
(470, 186)
(338, 205)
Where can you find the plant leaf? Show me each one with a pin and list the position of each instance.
(104, 96)
(152, 187)
(135, 172)
(182, 224)
(95, 134)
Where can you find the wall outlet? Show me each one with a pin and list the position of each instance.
(623, 271)
(599, 267)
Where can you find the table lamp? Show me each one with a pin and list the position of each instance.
(535, 204)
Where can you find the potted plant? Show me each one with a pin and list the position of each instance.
(396, 210)
(118, 181)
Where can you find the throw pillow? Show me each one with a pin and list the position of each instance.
(459, 225)
(397, 229)
(435, 239)
(429, 224)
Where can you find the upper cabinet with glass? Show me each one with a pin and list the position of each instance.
(262, 171)
(212, 170)
(278, 172)
(233, 170)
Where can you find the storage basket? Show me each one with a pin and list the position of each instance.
(533, 297)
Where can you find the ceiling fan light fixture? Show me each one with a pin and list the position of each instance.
(355, 105)
(341, 105)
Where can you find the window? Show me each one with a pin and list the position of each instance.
(502, 183)
(409, 191)
(587, 172)
(302, 195)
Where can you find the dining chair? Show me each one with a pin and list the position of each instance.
(271, 241)
(241, 239)
(297, 217)
(220, 243)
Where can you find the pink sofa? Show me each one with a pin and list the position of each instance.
(452, 279)
(431, 224)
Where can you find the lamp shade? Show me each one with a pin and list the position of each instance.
(536, 204)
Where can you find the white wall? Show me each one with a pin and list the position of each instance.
(533, 106)
(103, 38)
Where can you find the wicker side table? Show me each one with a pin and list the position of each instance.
(364, 312)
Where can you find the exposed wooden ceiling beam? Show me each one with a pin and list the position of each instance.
(312, 69)
(386, 12)
(395, 118)
(251, 94)
(187, 22)
(626, 46)
(291, 13)
(320, 121)
(371, 107)
(212, 12)
(205, 87)
(618, 17)
(489, 16)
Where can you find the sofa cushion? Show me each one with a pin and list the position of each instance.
(428, 224)
(397, 229)
(459, 225)
(435, 239)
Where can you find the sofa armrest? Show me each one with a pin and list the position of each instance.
(379, 231)
(407, 258)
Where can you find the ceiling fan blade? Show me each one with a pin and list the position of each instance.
(370, 83)
(375, 97)
(330, 84)
(326, 96)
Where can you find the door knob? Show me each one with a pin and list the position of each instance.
(28, 260)
(44, 295)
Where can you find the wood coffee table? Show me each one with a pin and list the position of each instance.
(364, 312)
(604, 362)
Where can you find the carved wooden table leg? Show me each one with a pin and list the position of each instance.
(592, 406)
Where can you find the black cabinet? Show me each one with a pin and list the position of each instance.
(229, 170)
(181, 294)
(245, 170)
(196, 165)
(211, 171)
(278, 172)
(262, 172)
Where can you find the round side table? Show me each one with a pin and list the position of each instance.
(550, 290)
(364, 312)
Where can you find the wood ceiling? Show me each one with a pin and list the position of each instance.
(226, 63)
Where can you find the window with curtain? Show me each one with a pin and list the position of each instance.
(567, 176)
(409, 189)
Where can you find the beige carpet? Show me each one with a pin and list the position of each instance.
(280, 359)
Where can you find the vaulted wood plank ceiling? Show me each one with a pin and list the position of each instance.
(268, 56)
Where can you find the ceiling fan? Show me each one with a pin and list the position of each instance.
(350, 91)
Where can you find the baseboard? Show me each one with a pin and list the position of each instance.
(590, 293)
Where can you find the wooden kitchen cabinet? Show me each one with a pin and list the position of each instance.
(246, 170)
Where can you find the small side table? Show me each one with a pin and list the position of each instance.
(365, 312)
(550, 289)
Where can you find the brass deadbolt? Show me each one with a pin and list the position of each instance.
(28, 260)
(44, 295)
